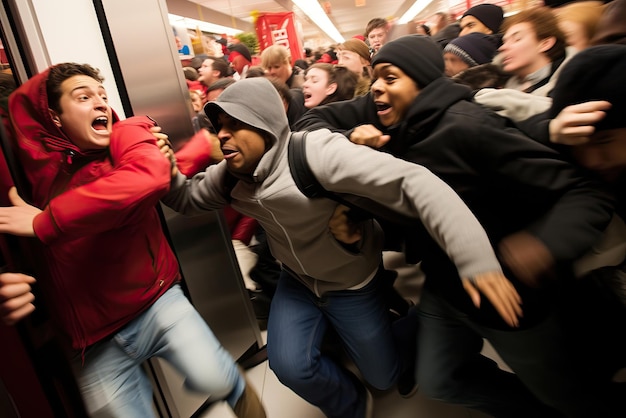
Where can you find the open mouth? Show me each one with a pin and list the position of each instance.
(100, 124)
(229, 153)
(381, 107)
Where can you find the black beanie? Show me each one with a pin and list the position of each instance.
(474, 48)
(489, 15)
(595, 73)
(417, 55)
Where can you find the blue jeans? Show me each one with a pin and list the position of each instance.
(546, 380)
(112, 381)
(297, 323)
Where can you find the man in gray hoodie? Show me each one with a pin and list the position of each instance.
(323, 283)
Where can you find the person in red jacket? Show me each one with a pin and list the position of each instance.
(113, 281)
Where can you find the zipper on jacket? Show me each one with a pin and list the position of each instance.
(69, 156)
(293, 252)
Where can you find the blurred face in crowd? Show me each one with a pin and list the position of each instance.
(280, 70)
(470, 24)
(575, 34)
(206, 74)
(604, 154)
(454, 64)
(393, 92)
(239, 64)
(316, 87)
(377, 38)
(196, 101)
(86, 116)
(351, 60)
(522, 52)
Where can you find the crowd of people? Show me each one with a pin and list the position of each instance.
(499, 142)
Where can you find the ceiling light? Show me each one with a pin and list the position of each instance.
(417, 7)
(317, 15)
(194, 24)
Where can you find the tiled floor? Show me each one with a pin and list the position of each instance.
(281, 402)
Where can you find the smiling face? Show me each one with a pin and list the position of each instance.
(242, 146)
(86, 117)
(394, 92)
(316, 87)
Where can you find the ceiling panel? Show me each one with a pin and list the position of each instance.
(349, 19)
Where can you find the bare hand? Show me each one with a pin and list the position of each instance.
(500, 292)
(18, 219)
(342, 228)
(527, 257)
(574, 124)
(216, 146)
(15, 297)
(166, 149)
(369, 135)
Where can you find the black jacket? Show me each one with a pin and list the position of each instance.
(510, 182)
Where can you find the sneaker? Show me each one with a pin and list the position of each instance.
(407, 385)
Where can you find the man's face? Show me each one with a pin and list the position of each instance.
(239, 64)
(206, 75)
(393, 92)
(242, 146)
(377, 38)
(86, 116)
(522, 52)
(470, 24)
(351, 60)
(454, 64)
(604, 154)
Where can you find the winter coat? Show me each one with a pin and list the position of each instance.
(107, 257)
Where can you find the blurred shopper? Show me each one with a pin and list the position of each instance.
(483, 18)
(376, 33)
(354, 55)
(469, 51)
(326, 83)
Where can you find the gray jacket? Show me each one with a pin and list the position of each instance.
(297, 227)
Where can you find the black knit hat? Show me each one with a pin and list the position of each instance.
(241, 49)
(474, 48)
(489, 15)
(595, 73)
(417, 55)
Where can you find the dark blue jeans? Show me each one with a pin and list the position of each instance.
(297, 324)
(546, 380)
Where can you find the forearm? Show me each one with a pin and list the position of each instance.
(196, 195)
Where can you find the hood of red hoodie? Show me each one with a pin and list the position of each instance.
(42, 148)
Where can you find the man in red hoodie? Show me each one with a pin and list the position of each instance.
(113, 281)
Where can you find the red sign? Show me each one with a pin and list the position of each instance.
(279, 28)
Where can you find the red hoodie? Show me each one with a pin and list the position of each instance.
(104, 245)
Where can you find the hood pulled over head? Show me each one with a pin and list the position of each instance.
(253, 101)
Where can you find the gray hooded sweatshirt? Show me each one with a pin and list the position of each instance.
(297, 227)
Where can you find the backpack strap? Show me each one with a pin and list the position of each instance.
(299, 167)
(306, 181)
